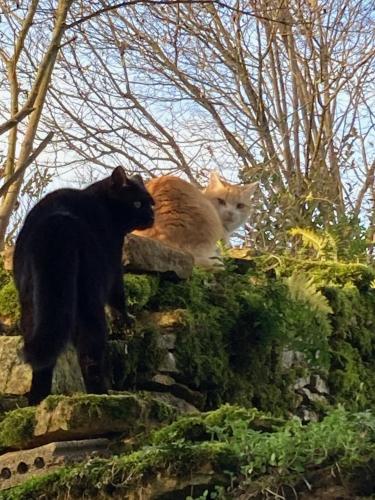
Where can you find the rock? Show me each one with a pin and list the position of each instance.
(168, 324)
(319, 385)
(161, 382)
(90, 415)
(64, 418)
(168, 363)
(298, 399)
(9, 402)
(15, 375)
(87, 415)
(142, 254)
(167, 341)
(19, 466)
(287, 358)
(168, 321)
(291, 358)
(307, 415)
(181, 405)
(301, 382)
(312, 396)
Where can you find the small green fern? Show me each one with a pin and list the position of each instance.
(324, 244)
(303, 288)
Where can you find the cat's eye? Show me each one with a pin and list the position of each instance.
(137, 204)
(221, 201)
(240, 205)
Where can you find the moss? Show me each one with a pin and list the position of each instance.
(9, 305)
(161, 411)
(139, 290)
(215, 425)
(10, 402)
(120, 407)
(134, 358)
(125, 473)
(5, 276)
(39, 486)
(352, 346)
(354, 317)
(281, 454)
(351, 380)
(236, 328)
(17, 428)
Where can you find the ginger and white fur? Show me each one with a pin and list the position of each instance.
(193, 220)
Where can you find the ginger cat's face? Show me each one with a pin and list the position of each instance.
(233, 202)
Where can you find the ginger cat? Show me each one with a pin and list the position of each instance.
(193, 220)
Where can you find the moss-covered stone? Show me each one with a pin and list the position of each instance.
(227, 447)
(79, 416)
(233, 328)
(17, 428)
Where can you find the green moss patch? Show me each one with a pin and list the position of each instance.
(140, 289)
(230, 447)
(236, 327)
(17, 428)
(9, 305)
(134, 357)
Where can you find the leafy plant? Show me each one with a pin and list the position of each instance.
(303, 288)
(325, 244)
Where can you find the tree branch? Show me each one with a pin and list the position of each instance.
(17, 174)
(171, 2)
(12, 122)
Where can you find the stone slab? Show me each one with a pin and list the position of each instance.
(141, 254)
(18, 466)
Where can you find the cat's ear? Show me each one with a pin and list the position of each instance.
(137, 179)
(119, 178)
(249, 189)
(215, 181)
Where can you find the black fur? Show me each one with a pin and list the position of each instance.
(68, 266)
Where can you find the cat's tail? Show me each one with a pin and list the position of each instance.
(54, 278)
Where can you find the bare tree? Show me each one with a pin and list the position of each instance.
(32, 104)
(33, 37)
(273, 90)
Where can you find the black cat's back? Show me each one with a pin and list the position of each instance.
(67, 267)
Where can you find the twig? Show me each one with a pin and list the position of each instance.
(17, 174)
(172, 2)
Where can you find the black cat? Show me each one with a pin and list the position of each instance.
(67, 267)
